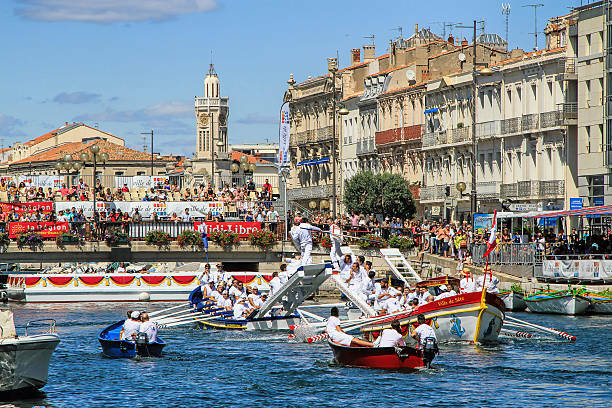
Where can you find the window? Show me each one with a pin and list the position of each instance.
(140, 173)
(588, 138)
(118, 173)
(587, 45)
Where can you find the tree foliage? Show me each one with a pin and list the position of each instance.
(386, 194)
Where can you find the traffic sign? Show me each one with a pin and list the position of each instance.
(523, 207)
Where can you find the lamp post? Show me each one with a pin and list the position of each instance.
(219, 144)
(150, 133)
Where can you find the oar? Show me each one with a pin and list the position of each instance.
(174, 324)
(342, 235)
(179, 313)
(312, 315)
(186, 316)
(512, 333)
(165, 310)
(323, 305)
(545, 329)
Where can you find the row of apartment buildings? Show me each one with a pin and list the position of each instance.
(542, 124)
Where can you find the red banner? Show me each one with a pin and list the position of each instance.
(45, 206)
(243, 229)
(44, 228)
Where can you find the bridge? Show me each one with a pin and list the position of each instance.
(139, 251)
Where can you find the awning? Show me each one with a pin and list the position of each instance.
(310, 162)
(323, 160)
(432, 110)
(302, 163)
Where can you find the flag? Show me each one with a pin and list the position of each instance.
(492, 237)
(284, 132)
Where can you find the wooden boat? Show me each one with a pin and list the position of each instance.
(464, 317)
(226, 321)
(599, 304)
(390, 358)
(24, 359)
(513, 300)
(564, 302)
(115, 348)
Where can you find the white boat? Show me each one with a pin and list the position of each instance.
(112, 287)
(24, 360)
(599, 304)
(558, 303)
(513, 300)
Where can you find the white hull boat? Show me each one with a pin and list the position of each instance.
(514, 301)
(558, 304)
(24, 360)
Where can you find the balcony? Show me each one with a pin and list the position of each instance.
(398, 135)
(307, 193)
(365, 147)
(487, 189)
(567, 69)
(324, 134)
(206, 102)
(512, 125)
(438, 193)
(533, 189)
(434, 139)
(461, 135)
(488, 129)
(530, 122)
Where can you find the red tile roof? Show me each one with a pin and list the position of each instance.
(235, 156)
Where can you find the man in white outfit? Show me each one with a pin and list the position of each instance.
(391, 337)
(147, 327)
(335, 235)
(487, 280)
(304, 236)
(131, 326)
(335, 333)
(275, 283)
(467, 284)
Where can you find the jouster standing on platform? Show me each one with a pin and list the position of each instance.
(335, 235)
(303, 237)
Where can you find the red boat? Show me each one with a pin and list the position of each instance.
(390, 358)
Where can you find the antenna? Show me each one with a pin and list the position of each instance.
(144, 143)
(482, 25)
(505, 9)
(371, 38)
(445, 24)
(535, 22)
(399, 30)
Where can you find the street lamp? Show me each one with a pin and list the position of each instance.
(244, 166)
(219, 144)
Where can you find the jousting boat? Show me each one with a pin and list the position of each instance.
(24, 360)
(113, 347)
(390, 358)
(600, 304)
(514, 301)
(562, 302)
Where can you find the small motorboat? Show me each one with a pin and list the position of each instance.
(113, 347)
(513, 300)
(389, 358)
(562, 302)
(24, 359)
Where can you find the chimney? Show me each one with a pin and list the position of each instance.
(464, 43)
(416, 29)
(355, 56)
(451, 39)
(369, 52)
(516, 53)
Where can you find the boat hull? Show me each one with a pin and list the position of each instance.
(455, 319)
(114, 348)
(513, 301)
(378, 357)
(265, 324)
(601, 306)
(24, 362)
(562, 304)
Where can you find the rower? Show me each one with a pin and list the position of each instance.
(275, 282)
(391, 337)
(240, 309)
(147, 327)
(335, 333)
(423, 331)
(224, 301)
(487, 280)
(130, 327)
(345, 266)
(254, 298)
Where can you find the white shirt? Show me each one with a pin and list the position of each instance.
(239, 309)
(256, 299)
(223, 302)
(425, 331)
(334, 233)
(215, 295)
(150, 329)
(345, 268)
(491, 284)
(304, 234)
(235, 292)
(130, 327)
(332, 322)
(389, 338)
(445, 295)
(275, 285)
(392, 305)
(467, 285)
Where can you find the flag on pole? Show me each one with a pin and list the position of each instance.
(202, 228)
(492, 237)
(284, 132)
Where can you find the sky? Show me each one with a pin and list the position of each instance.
(129, 66)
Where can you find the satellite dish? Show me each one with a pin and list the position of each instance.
(461, 57)
(410, 75)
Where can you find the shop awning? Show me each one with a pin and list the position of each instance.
(432, 110)
(590, 211)
(323, 160)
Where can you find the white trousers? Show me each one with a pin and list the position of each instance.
(335, 253)
(306, 250)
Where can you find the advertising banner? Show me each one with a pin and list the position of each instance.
(284, 133)
(45, 229)
(42, 181)
(243, 229)
(44, 206)
(164, 209)
(482, 222)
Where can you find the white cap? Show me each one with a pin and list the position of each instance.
(135, 315)
(443, 287)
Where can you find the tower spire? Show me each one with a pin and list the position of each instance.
(211, 69)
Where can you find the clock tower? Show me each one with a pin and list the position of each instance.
(211, 116)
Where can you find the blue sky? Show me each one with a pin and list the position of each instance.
(135, 65)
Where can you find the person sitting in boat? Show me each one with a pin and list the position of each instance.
(423, 331)
(148, 327)
(487, 280)
(345, 264)
(381, 294)
(335, 333)
(275, 283)
(391, 337)
(130, 327)
(207, 291)
(254, 298)
(354, 279)
(237, 290)
(224, 275)
(224, 301)
(445, 292)
(467, 284)
(241, 310)
(392, 304)
(424, 296)
(369, 287)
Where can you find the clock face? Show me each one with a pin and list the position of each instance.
(203, 120)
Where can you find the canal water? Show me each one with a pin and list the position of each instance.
(216, 368)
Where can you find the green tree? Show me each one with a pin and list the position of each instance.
(387, 194)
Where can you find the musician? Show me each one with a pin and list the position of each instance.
(335, 333)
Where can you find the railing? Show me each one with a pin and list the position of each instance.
(324, 134)
(438, 192)
(305, 193)
(533, 188)
(488, 129)
(568, 65)
(506, 254)
(38, 323)
(366, 146)
(398, 134)
(512, 125)
(530, 121)
(432, 139)
(488, 189)
(459, 135)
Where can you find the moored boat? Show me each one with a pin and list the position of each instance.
(390, 358)
(566, 302)
(227, 322)
(113, 347)
(599, 304)
(464, 317)
(24, 360)
(514, 301)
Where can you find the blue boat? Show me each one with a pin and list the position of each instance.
(115, 348)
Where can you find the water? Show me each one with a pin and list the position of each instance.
(216, 368)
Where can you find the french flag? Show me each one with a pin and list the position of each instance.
(492, 237)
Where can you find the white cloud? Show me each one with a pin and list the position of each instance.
(76, 97)
(10, 127)
(110, 11)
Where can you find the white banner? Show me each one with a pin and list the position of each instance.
(164, 209)
(588, 269)
(135, 182)
(42, 181)
(284, 133)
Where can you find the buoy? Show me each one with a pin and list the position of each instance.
(144, 297)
